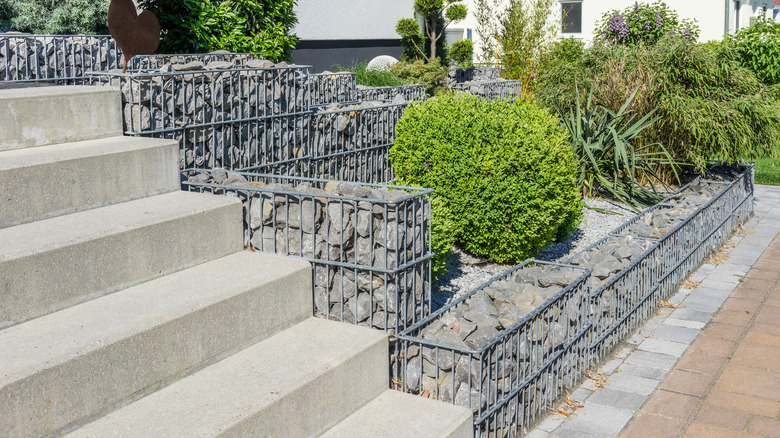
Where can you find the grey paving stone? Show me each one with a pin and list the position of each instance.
(603, 421)
(643, 371)
(703, 303)
(550, 423)
(566, 432)
(611, 366)
(674, 333)
(627, 401)
(630, 383)
(581, 394)
(537, 433)
(652, 360)
(716, 284)
(677, 298)
(746, 260)
(692, 315)
(622, 352)
(663, 347)
(684, 323)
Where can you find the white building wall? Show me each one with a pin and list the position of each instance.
(350, 19)
(714, 17)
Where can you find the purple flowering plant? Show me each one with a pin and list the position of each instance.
(644, 23)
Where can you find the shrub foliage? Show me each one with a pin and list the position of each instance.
(462, 53)
(236, 25)
(431, 74)
(70, 17)
(758, 48)
(708, 106)
(502, 171)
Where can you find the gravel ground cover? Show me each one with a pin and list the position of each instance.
(465, 271)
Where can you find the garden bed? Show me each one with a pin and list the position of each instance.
(628, 273)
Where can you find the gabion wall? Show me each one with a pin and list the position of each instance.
(492, 90)
(400, 94)
(457, 75)
(629, 271)
(352, 142)
(61, 58)
(230, 116)
(369, 244)
(519, 337)
(328, 88)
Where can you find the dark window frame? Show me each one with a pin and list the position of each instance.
(577, 27)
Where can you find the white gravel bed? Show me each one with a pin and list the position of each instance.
(465, 271)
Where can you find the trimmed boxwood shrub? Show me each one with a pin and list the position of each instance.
(503, 174)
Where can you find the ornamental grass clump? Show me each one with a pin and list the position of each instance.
(708, 107)
(603, 144)
(503, 174)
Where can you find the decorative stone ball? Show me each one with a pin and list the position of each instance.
(382, 62)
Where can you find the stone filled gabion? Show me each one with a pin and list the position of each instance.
(223, 115)
(158, 62)
(491, 90)
(400, 94)
(470, 372)
(368, 245)
(457, 75)
(351, 142)
(35, 57)
(327, 88)
(660, 221)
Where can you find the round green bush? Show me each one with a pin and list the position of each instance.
(503, 174)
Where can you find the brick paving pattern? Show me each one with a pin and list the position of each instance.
(727, 384)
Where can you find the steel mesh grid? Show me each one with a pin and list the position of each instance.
(498, 374)
(353, 144)
(492, 90)
(413, 92)
(155, 62)
(370, 254)
(64, 59)
(677, 254)
(232, 118)
(328, 88)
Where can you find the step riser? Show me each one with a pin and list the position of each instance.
(49, 115)
(59, 399)
(325, 401)
(298, 383)
(41, 283)
(38, 192)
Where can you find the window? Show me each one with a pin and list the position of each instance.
(571, 17)
(737, 7)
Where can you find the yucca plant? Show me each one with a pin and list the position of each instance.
(602, 142)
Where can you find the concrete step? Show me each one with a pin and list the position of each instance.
(66, 368)
(47, 181)
(298, 383)
(37, 116)
(397, 415)
(55, 263)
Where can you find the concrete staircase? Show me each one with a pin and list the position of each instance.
(129, 308)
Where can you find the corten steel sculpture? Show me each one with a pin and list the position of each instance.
(136, 34)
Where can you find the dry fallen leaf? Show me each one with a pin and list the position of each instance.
(599, 381)
(669, 305)
(689, 284)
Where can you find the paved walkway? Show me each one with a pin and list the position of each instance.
(708, 369)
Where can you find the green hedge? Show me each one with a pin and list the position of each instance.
(502, 171)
